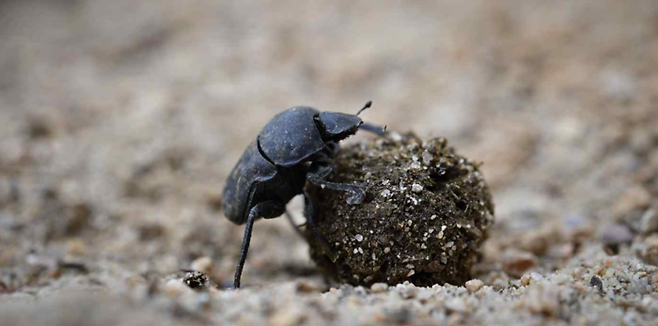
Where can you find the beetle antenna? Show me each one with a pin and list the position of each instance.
(365, 107)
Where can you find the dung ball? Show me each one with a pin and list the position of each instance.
(426, 213)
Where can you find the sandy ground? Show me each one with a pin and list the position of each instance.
(120, 121)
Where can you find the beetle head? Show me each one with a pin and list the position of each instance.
(336, 126)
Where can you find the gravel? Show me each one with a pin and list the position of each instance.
(120, 121)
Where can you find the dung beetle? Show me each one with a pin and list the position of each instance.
(295, 147)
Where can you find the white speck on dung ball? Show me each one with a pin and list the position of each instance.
(395, 136)
(427, 158)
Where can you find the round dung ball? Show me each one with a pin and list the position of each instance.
(426, 213)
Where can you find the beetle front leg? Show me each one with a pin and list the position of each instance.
(357, 194)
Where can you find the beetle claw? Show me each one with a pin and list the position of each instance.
(357, 197)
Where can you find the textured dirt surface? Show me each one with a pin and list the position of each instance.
(120, 121)
(425, 216)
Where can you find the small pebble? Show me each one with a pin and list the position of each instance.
(543, 299)
(76, 247)
(649, 222)
(379, 287)
(175, 287)
(616, 234)
(288, 317)
(407, 290)
(474, 285)
(516, 262)
(358, 237)
(525, 280)
(196, 280)
(536, 276)
(648, 250)
(635, 198)
(202, 264)
(457, 304)
(304, 287)
(596, 282)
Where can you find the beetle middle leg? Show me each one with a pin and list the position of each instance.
(266, 209)
(295, 226)
(357, 194)
(332, 148)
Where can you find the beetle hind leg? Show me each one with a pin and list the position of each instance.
(295, 226)
(266, 209)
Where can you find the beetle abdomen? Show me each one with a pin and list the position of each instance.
(251, 170)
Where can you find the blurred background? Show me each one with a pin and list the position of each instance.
(120, 120)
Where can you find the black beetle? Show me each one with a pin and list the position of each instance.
(294, 147)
